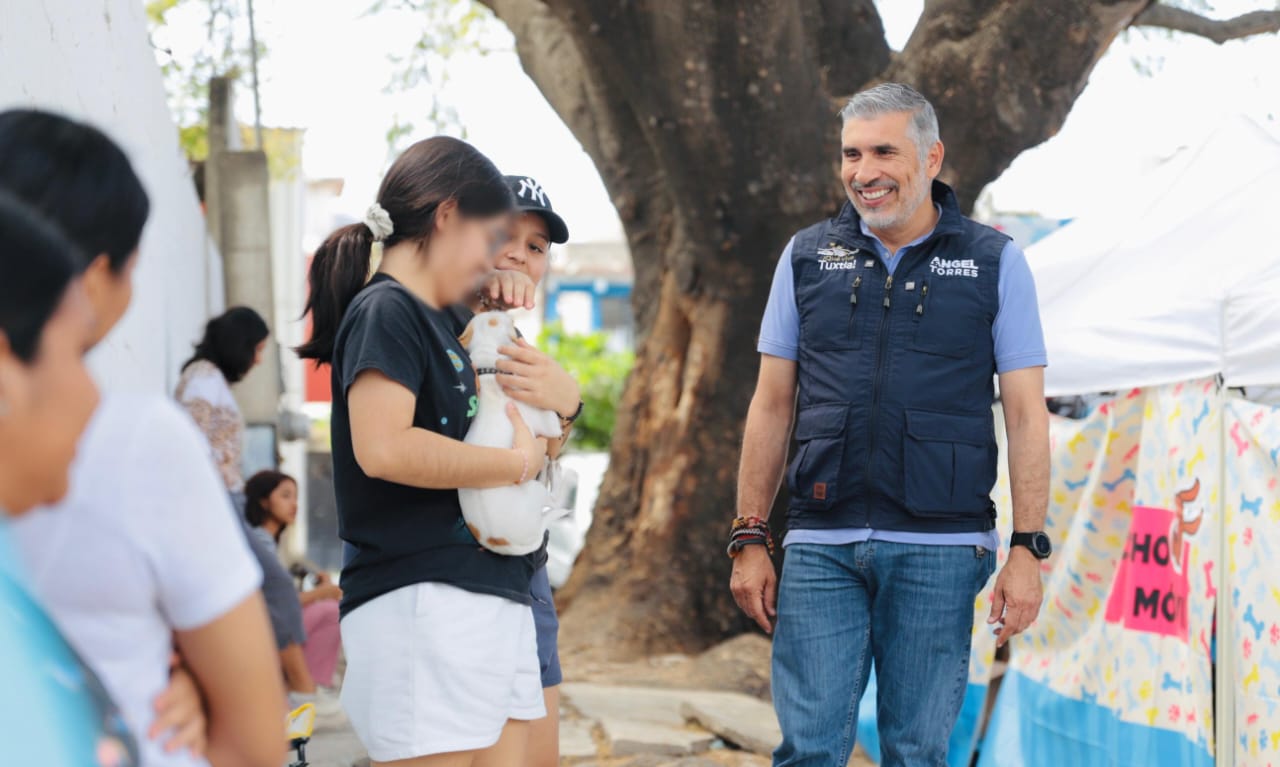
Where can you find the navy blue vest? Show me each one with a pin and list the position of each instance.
(895, 376)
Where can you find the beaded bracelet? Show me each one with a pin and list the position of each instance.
(749, 531)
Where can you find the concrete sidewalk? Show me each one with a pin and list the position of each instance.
(335, 747)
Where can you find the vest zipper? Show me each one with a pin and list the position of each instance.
(924, 293)
(853, 301)
(876, 385)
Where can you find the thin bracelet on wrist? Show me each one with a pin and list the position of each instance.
(567, 420)
(524, 474)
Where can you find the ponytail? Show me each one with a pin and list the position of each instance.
(422, 178)
(339, 269)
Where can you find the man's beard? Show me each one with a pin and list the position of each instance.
(890, 219)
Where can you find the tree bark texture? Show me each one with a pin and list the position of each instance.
(714, 127)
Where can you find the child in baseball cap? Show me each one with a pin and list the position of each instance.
(533, 232)
(531, 198)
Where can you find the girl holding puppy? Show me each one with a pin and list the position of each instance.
(439, 636)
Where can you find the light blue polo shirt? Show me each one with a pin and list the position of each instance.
(1019, 343)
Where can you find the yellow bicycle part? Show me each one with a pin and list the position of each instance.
(301, 721)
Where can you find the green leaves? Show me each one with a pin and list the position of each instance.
(601, 374)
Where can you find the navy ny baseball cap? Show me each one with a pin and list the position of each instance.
(531, 199)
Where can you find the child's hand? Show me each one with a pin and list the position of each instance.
(507, 289)
(534, 378)
(180, 718)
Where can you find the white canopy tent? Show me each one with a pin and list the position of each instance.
(1181, 282)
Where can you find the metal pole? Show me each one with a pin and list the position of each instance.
(1224, 683)
(253, 64)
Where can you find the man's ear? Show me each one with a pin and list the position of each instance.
(933, 162)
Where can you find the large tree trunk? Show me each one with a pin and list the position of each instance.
(715, 132)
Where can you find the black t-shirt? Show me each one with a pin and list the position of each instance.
(404, 535)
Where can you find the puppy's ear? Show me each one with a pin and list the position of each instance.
(465, 338)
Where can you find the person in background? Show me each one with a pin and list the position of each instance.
(232, 346)
(442, 665)
(53, 710)
(533, 377)
(270, 506)
(144, 555)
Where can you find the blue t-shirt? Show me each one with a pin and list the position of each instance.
(53, 710)
(1016, 333)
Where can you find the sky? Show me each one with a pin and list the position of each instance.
(329, 64)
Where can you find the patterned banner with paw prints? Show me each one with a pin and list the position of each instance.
(1253, 536)
(1118, 668)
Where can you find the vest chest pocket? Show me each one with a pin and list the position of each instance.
(948, 463)
(814, 476)
(831, 304)
(948, 313)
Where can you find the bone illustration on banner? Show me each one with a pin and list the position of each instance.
(1240, 443)
(1252, 505)
(1204, 413)
(1254, 623)
(1125, 477)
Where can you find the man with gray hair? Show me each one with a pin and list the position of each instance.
(884, 330)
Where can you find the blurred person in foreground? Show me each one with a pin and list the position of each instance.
(144, 556)
(53, 709)
(884, 330)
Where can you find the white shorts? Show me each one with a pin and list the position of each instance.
(432, 669)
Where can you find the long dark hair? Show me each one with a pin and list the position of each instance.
(230, 342)
(37, 263)
(77, 177)
(257, 492)
(428, 174)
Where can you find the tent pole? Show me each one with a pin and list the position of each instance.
(1225, 643)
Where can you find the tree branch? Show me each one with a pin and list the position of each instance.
(849, 37)
(552, 59)
(1217, 30)
(1003, 76)
(601, 118)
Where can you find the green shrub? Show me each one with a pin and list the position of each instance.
(601, 374)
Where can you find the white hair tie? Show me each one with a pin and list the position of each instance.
(379, 222)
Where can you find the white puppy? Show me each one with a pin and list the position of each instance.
(509, 520)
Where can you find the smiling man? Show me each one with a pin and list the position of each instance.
(883, 333)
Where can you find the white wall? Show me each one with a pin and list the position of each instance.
(92, 60)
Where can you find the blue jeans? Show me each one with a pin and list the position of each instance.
(908, 607)
(548, 627)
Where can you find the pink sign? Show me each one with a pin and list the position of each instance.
(1150, 590)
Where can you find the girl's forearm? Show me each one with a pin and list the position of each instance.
(421, 458)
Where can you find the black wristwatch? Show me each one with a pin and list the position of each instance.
(1039, 544)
